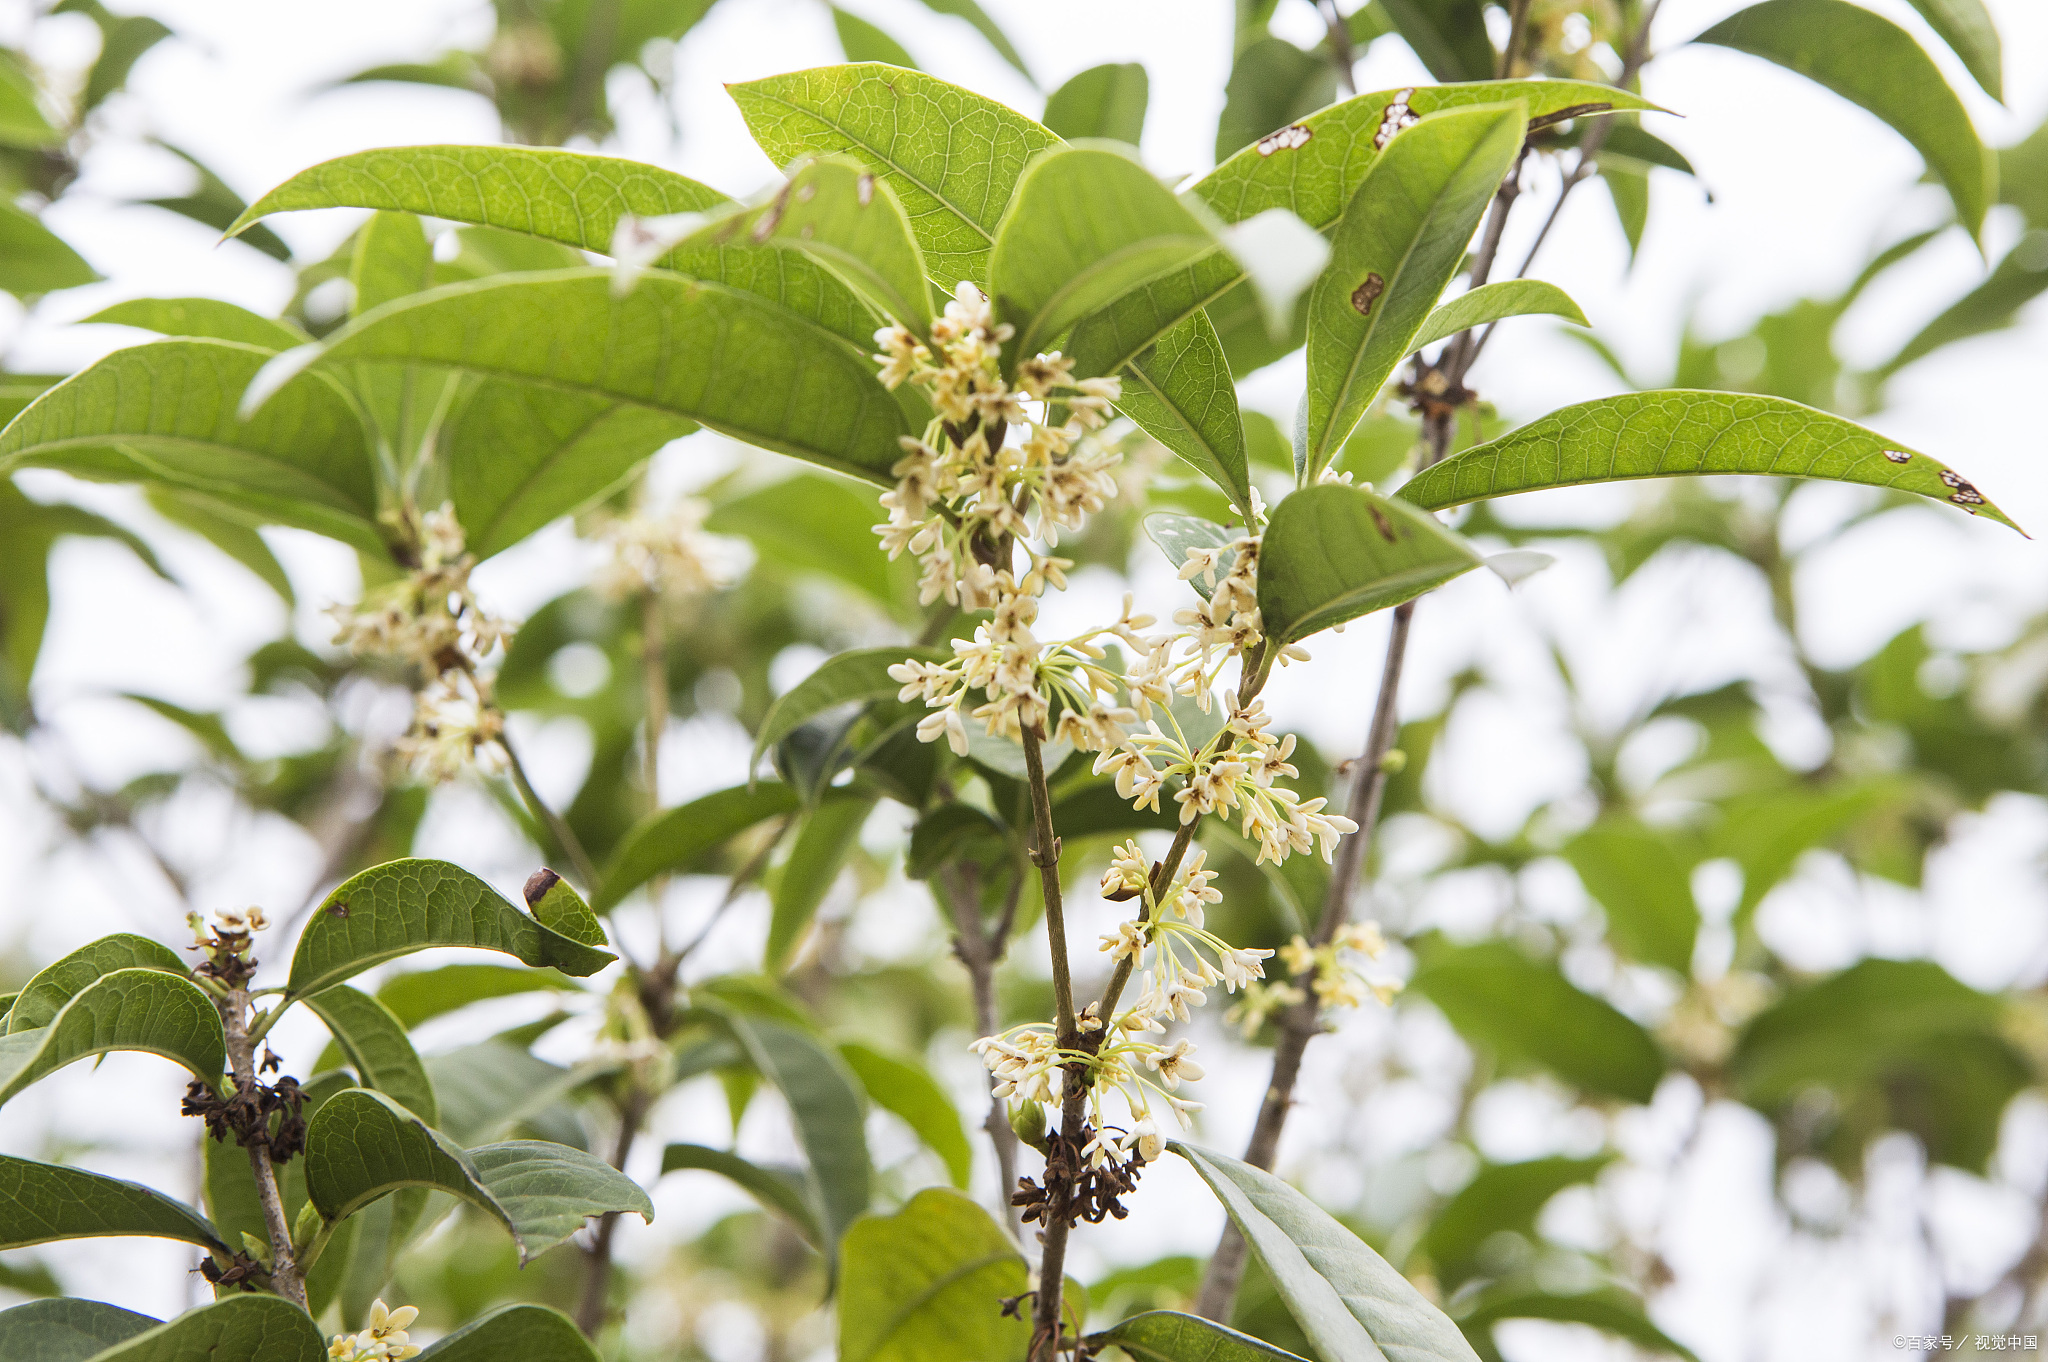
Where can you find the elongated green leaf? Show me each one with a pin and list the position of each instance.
(918, 1285)
(1608, 1309)
(375, 1045)
(780, 1189)
(1676, 432)
(1449, 36)
(837, 210)
(550, 1189)
(1503, 1196)
(700, 351)
(165, 413)
(34, 259)
(214, 204)
(911, 130)
(903, 1087)
(247, 1328)
(2019, 278)
(129, 1009)
(1526, 1010)
(815, 523)
(847, 678)
(1346, 1298)
(1645, 886)
(862, 41)
(1402, 238)
(41, 1202)
(487, 1090)
(405, 906)
(22, 121)
(1766, 833)
(66, 1330)
(209, 318)
(978, 17)
(1490, 303)
(529, 1333)
(418, 995)
(1628, 185)
(1106, 101)
(822, 845)
(1332, 553)
(1965, 25)
(1164, 1336)
(44, 996)
(1871, 61)
(672, 840)
(1179, 390)
(1272, 84)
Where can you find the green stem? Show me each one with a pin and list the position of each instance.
(564, 836)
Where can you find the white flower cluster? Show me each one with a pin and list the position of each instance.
(385, 1339)
(1333, 973)
(668, 553)
(454, 726)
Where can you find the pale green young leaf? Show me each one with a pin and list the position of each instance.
(862, 41)
(393, 259)
(852, 677)
(1106, 101)
(166, 413)
(1180, 391)
(245, 1327)
(374, 1044)
(66, 1329)
(1490, 303)
(1402, 238)
(917, 1285)
(22, 121)
(43, 1202)
(1502, 1196)
(209, 318)
(44, 996)
(548, 1190)
(779, 1189)
(1272, 84)
(1871, 61)
(700, 351)
(1348, 1300)
(2019, 277)
(1676, 433)
(130, 1009)
(34, 259)
(672, 840)
(1965, 25)
(1332, 553)
(974, 14)
(413, 905)
(529, 1333)
(1166, 1336)
(827, 837)
(904, 1087)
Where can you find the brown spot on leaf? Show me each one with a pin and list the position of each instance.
(1379, 519)
(538, 884)
(337, 909)
(1368, 293)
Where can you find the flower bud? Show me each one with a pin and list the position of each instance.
(1027, 1120)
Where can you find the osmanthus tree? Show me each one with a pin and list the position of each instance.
(951, 303)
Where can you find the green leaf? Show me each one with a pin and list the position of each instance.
(975, 15)
(1525, 1009)
(123, 40)
(1346, 1298)
(1965, 25)
(1645, 886)
(1179, 389)
(1085, 226)
(862, 41)
(1106, 101)
(1504, 1196)
(1402, 238)
(1674, 433)
(130, 1009)
(213, 204)
(815, 523)
(490, 1089)
(418, 995)
(1449, 36)
(529, 1333)
(34, 259)
(904, 1087)
(861, 674)
(1164, 1336)
(44, 996)
(1490, 303)
(672, 840)
(231, 531)
(22, 122)
(41, 1202)
(921, 1285)
(780, 1189)
(1993, 305)
(550, 1189)
(66, 1330)
(1626, 139)
(1608, 1309)
(1179, 535)
(209, 318)
(1870, 61)
(247, 1328)
(906, 127)
(1332, 553)
(405, 906)
(1272, 84)
(1628, 185)
(701, 351)
(827, 836)
(166, 413)
(374, 1043)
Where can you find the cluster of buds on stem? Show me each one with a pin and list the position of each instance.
(1333, 973)
(224, 937)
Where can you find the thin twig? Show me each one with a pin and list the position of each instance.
(565, 838)
(590, 1310)
(1341, 54)
(980, 951)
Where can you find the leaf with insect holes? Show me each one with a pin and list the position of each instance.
(1675, 433)
(130, 1009)
(1332, 553)
(42, 1202)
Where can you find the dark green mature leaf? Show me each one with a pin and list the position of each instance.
(490, 1089)
(1993, 305)
(914, 131)
(975, 15)
(41, 1202)
(1179, 389)
(1106, 101)
(672, 840)
(1449, 36)
(374, 1043)
(1526, 1009)
(1332, 553)
(1644, 885)
(904, 1087)
(44, 996)
(209, 318)
(1608, 1309)
(1869, 60)
(828, 835)
(1504, 1196)
(129, 1009)
(550, 1189)
(860, 674)
(1402, 238)
(701, 351)
(1272, 84)
(1965, 25)
(529, 1333)
(917, 1285)
(66, 1330)
(247, 1328)
(780, 1189)
(862, 41)
(166, 413)
(1164, 1336)
(405, 906)
(1676, 432)
(1348, 1300)
(1085, 226)
(34, 259)
(1490, 303)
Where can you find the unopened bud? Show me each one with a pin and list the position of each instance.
(1394, 762)
(1028, 1121)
